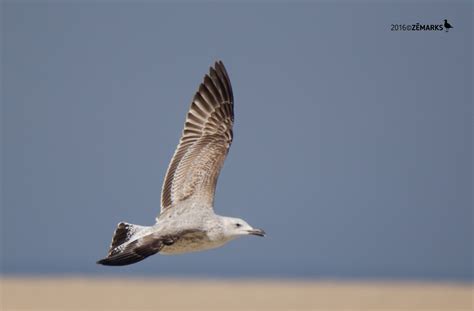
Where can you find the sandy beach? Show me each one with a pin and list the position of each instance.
(181, 294)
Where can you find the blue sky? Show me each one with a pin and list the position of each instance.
(352, 146)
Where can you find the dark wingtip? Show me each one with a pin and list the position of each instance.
(102, 262)
(224, 77)
(113, 262)
(218, 64)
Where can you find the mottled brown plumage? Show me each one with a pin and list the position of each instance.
(187, 222)
(204, 144)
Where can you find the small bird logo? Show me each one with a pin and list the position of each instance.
(447, 25)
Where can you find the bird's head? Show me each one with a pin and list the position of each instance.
(235, 227)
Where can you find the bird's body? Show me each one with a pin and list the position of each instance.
(187, 222)
(209, 229)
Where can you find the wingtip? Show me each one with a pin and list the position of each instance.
(217, 67)
(101, 262)
(218, 63)
(108, 262)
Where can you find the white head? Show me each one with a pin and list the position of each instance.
(235, 227)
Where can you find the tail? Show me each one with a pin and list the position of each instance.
(128, 246)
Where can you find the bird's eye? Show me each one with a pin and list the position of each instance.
(238, 225)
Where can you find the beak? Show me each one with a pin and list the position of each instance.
(258, 232)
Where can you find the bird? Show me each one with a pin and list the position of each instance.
(187, 221)
(447, 25)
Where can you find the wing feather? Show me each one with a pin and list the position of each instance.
(205, 142)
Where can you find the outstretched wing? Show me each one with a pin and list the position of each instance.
(203, 147)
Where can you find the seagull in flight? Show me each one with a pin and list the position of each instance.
(187, 222)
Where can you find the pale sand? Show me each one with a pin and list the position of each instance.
(175, 294)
